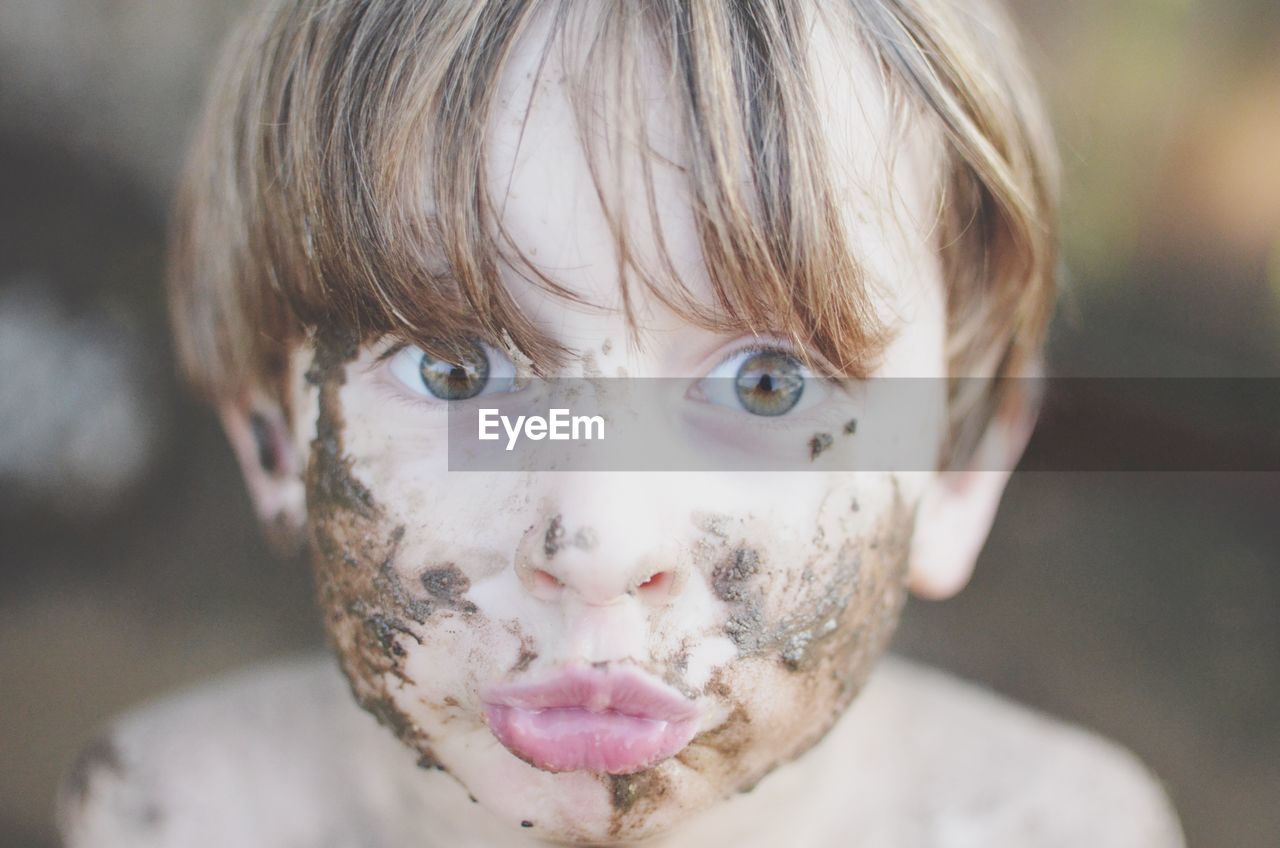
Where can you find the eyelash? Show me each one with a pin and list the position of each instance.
(825, 372)
(391, 351)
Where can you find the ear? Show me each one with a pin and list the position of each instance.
(958, 509)
(260, 438)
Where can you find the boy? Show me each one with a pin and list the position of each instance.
(398, 212)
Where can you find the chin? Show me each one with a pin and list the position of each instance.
(592, 808)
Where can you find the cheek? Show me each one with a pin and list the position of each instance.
(810, 599)
(809, 612)
(368, 611)
(391, 604)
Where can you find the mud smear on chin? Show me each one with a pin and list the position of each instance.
(716, 755)
(368, 609)
(719, 751)
(634, 797)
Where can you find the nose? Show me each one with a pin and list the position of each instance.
(603, 537)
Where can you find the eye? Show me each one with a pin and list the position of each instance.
(476, 369)
(763, 381)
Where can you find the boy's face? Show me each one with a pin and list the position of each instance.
(694, 631)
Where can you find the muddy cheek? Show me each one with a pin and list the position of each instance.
(372, 618)
(807, 642)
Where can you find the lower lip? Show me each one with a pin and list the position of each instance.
(577, 739)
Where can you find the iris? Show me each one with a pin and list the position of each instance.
(769, 383)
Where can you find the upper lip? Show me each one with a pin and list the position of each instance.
(612, 688)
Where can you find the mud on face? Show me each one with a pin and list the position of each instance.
(354, 545)
(807, 639)
(823, 613)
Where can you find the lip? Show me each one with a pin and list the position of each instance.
(614, 719)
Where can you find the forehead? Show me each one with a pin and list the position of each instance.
(563, 187)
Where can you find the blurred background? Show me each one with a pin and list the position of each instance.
(1143, 605)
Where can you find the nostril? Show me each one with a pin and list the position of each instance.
(658, 583)
(546, 581)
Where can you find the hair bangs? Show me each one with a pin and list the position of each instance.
(357, 158)
(751, 154)
(338, 178)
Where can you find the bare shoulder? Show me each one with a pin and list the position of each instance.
(264, 757)
(979, 769)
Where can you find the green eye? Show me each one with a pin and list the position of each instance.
(769, 383)
(459, 380)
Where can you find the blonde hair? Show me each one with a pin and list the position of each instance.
(331, 127)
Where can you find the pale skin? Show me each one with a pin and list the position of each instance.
(765, 598)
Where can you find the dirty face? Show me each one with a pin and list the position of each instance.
(741, 612)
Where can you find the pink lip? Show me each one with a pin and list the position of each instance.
(614, 719)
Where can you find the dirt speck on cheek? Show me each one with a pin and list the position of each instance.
(525, 659)
(388, 632)
(590, 366)
(712, 523)
(799, 635)
(731, 582)
(820, 444)
(528, 651)
(447, 585)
